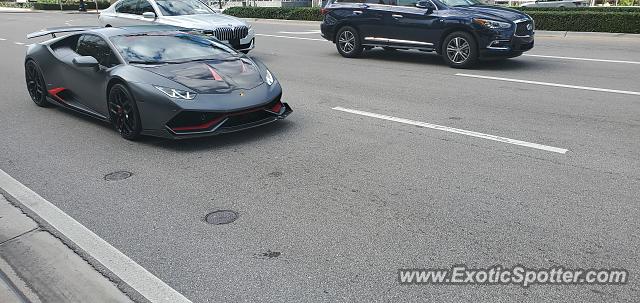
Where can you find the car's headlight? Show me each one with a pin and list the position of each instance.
(492, 24)
(269, 78)
(177, 93)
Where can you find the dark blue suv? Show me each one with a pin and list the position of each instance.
(462, 31)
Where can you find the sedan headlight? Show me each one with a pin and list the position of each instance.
(176, 93)
(492, 24)
(269, 78)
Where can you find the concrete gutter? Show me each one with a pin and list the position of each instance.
(35, 266)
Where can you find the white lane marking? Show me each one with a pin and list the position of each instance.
(18, 43)
(606, 90)
(302, 33)
(582, 59)
(455, 130)
(3, 39)
(145, 283)
(28, 45)
(289, 37)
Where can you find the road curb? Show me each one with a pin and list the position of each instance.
(37, 266)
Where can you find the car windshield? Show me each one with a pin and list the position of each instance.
(460, 2)
(182, 7)
(176, 48)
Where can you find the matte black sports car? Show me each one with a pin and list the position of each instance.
(153, 80)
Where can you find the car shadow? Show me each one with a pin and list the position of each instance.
(432, 58)
(221, 141)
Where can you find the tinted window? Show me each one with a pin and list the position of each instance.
(183, 7)
(170, 48)
(407, 2)
(94, 46)
(387, 2)
(127, 7)
(144, 6)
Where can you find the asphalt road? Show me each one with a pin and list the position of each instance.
(346, 200)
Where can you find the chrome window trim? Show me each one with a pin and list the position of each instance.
(401, 6)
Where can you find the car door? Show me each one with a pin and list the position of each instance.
(126, 14)
(89, 84)
(366, 17)
(145, 6)
(407, 24)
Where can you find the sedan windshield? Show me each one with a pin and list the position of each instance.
(182, 7)
(460, 2)
(178, 48)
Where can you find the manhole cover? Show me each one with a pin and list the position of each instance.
(117, 176)
(221, 217)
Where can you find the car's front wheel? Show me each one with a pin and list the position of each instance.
(123, 112)
(35, 84)
(460, 50)
(348, 42)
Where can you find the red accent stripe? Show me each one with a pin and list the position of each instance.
(55, 91)
(215, 74)
(276, 108)
(205, 125)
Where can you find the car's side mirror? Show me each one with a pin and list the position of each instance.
(85, 61)
(428, 5)
(149, 15)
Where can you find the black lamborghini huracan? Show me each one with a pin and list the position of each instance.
(153, 80)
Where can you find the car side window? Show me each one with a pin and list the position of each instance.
(143, 7)
(383, 2)
(411, 3)
(94, 46)
(127, 7)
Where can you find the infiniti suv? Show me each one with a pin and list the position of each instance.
(462, 31)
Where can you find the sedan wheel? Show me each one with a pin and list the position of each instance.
(123, 112)
(348, 42)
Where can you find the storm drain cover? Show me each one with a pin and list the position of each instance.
(117, 176)
(221, 217)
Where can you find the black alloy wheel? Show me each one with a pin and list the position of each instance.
(35, 84)
(123, 112)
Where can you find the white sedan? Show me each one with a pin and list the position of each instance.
(191, 14)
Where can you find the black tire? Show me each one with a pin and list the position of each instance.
(460, 50)
(348, 42)
(36, 86)
(389, 49)
(123, 112)
(245, 51)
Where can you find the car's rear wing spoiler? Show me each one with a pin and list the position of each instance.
(55, 30)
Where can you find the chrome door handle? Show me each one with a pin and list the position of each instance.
(357, 12)
(397, 16)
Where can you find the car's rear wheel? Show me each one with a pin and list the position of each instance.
(460, 50)
(348, 42)
(35, 84)
(123, 112)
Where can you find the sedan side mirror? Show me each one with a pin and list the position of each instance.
(149, 15)
(428, 5)
(85, 61)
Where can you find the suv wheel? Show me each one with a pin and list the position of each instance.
(348, 42)
(460, 50)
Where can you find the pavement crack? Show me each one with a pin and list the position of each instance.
(20, 235)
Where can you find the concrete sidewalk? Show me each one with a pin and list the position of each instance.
(37, 267)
